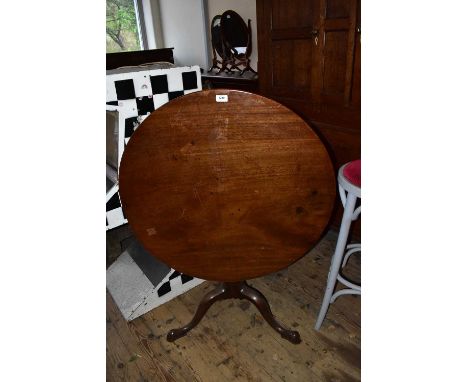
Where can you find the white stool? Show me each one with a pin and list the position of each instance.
(349, 184)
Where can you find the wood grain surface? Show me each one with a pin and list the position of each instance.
(226, 191)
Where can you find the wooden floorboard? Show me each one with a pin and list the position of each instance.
(234, 343)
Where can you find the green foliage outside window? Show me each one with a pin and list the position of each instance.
(121, 26)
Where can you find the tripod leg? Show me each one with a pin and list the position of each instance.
(210, 298)
(259, 300)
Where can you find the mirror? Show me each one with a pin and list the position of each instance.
(235, 33)
(231, 39)
(218, 46)
(216, 36)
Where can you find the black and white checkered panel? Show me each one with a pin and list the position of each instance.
(173, 282)
(114, 213)
(141, 92)
(137, 92)
(171, 286)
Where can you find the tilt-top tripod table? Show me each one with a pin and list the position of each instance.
(227, 186)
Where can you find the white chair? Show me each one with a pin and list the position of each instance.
(349, 184)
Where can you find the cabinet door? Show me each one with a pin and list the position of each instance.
(288, 33)
(356, 83)
(337, 47)
(307, 51)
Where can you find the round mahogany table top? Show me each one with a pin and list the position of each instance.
(226, 191)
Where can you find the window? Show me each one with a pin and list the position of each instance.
(124, 26)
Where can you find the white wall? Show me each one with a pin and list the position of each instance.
(246, 9)
(184, 25)
(183, 28)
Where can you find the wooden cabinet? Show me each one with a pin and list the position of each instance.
(248, 81)
(309, 60)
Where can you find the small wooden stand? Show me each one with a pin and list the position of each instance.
(223, 42)
(243, 291)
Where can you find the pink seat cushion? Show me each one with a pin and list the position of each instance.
(352, 172)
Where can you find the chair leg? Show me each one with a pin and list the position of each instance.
(337, 257)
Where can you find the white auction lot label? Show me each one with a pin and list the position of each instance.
(221, 98)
